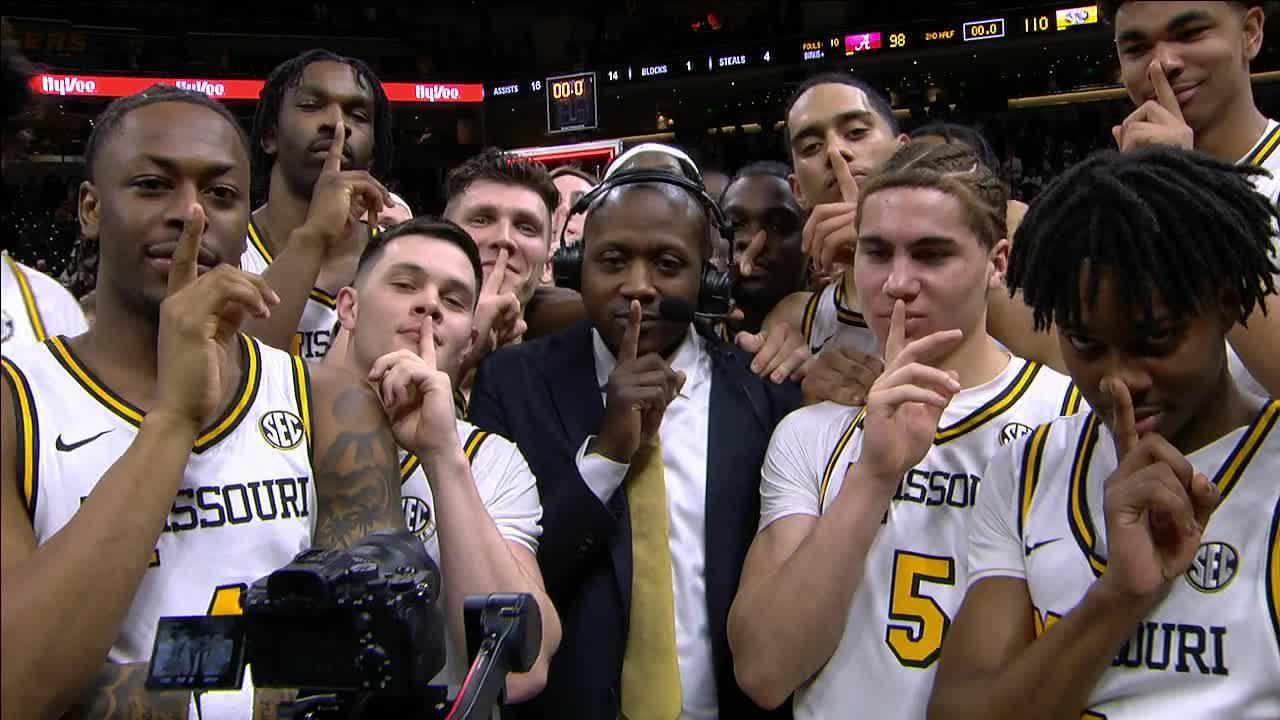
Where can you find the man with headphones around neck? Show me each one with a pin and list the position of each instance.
(647, 435)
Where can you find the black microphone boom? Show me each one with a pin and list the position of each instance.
(675, 309)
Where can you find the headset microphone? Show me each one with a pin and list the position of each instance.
(678, 310)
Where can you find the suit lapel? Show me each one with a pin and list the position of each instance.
(571, 382)
(735, 432)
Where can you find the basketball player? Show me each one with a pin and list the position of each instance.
(506, 203)
(1007, 316)
(1125, 562)
(766, 219)
(33, 306)
(572, 184)
(840, 130)
(860, 556)
(1186, 67)
(467, 494)
(322, 126)
(159, 462)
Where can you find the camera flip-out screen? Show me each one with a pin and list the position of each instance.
(198, 653)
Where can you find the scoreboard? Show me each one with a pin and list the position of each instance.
(918, 36)
(571, 99)
(571, 103)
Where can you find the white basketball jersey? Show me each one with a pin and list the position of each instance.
(916, 567)
(34, 306)
(319, 322)
(827, 317)
(508, 491)
(246, 503)
(1212, 648)
(1263, 154)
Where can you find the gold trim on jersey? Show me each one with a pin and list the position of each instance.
(255, 239)
(1078, 515)
(1273, 572)
(324, 298)
(472, 445)
(250, 379)
(459, 403)
(28, 299)
(470, 448)
(28, 435)
(1265, 147)
(1233, 467)
(1032, 458)
(1071, 402)
(302, 391)
(1225, 479)
(810, 312)
(1003, 400)
(843, 313)
(835, 456)
(407, 466)
(320, 296)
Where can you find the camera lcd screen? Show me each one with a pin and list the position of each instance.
(198, 653)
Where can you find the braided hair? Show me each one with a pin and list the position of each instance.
(1170, 223)
(954, 169)
(108, 123)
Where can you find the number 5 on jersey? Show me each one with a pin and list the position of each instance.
(917, 623)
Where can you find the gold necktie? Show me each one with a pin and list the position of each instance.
(650, 668)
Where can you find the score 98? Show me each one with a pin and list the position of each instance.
(897, 40)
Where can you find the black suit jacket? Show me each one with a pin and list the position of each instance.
(543, 396)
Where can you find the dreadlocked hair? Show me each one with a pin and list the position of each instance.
(1166, 223)
(954, 169)
(288, 74)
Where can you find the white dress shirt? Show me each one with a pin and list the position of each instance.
(683, 434)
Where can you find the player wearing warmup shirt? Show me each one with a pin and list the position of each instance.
(34, 306)
(159, 462)
(1125, 562)
(467, 494)
(1186, 66)
(860, 557)
(322, 126)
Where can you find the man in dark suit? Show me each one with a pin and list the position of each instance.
(621, 417)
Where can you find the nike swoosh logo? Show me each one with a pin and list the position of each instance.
(64, 447)
(1036, 546)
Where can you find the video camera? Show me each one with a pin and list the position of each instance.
(360, 631)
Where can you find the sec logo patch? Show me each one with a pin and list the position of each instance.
(1013, 431)
(282, 429)
(418, 517)
(1214, 567)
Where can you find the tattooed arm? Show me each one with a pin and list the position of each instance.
(118, 693)
(357, 469)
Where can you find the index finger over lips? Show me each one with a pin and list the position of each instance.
(183, 267)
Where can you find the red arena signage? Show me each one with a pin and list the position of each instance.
(111, 86)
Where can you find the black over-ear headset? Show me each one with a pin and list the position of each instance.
(715, 293)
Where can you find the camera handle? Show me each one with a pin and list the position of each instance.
(504, 635)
